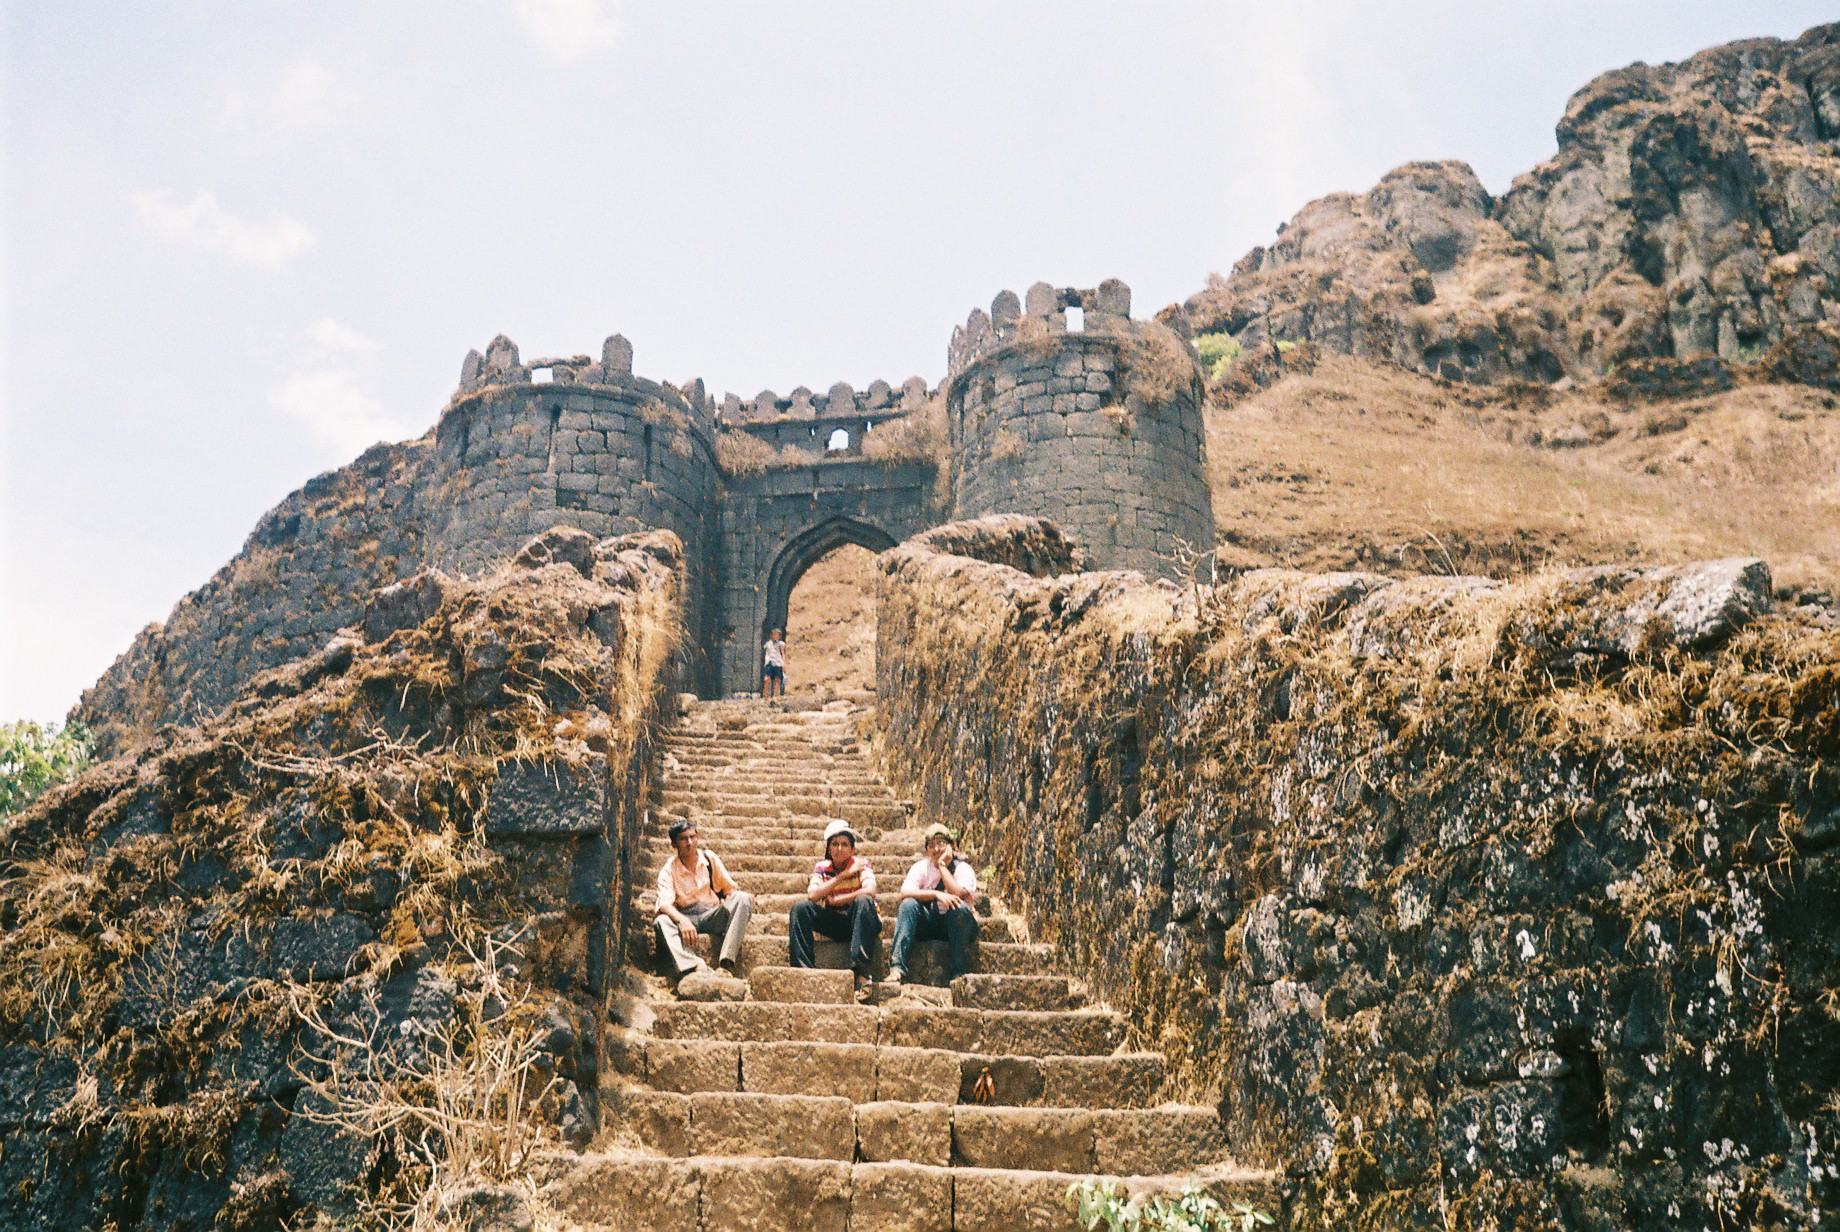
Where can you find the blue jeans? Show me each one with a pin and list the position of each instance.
(918, 921)
(857, 923)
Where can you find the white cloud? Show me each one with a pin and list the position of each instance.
(306, 95)
(202, 223)
(570, 29)
(337, 336)
(339, 413)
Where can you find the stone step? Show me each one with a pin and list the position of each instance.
(743, 861)
(772, 918)
(991, 991)
(806, 821)
(709, 1193)
(927, 959)
(1034, 1033)
(866, 1073)
(807, 985)
(1122, 1141)
(805, 852)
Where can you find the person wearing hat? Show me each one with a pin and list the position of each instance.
(936, 902)
(840, 903)
(696, 898)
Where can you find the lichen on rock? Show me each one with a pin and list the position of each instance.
(1471, 903)
(191, 929)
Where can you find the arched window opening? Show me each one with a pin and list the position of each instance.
(1076, 319)
(839, 442)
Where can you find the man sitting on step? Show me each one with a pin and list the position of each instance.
(936, 902)
(697, 900)
(840, 903)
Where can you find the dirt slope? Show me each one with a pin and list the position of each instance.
(1361, 465)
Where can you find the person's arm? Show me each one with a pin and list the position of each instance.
(667, 900)
(949, 885)
(866, 887)
(962, 883)
(719, 880)
(824, 890)
(910, 888)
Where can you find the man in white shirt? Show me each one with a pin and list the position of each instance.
(697, 899)
(936, 902)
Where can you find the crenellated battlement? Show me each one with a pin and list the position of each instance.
(841, 401)
(1043, 312)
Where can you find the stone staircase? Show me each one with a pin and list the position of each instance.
(793, 1107)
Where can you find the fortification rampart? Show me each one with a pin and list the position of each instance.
(1475, 905)
(1095, 422)
(1098, 426)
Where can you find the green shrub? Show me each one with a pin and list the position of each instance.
(34, 756)
(1100, 1204)
(1218, 353)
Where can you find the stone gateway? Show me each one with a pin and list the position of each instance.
(1057, 404)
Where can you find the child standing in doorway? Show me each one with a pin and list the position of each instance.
(773, 670)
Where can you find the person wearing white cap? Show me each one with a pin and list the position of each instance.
(840, 903)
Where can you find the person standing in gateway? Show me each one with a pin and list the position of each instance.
(773, 669)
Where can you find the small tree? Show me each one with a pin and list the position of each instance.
(34, 756)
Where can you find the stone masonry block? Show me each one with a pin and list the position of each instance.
(630, 1193)
(659, 1119)
(917, 1133)
(1010, 1202)
(916, 1075)
(1156, 1140)
(794, 1126)
(807, 985)
(1049, 1139)
(548, 798)
(797, 1068)
(774, 1195)
(692, 1066)
(900, 1197)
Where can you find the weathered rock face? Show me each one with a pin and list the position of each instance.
(1691, 210)
(1480, 905)
(337, 851)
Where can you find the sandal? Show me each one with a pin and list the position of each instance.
(865, 988)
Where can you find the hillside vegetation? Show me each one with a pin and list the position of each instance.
(1351, 464)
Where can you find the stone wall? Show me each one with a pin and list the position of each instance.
(351, 850)
(1100, 428)
(615, 457)
(1475, 906)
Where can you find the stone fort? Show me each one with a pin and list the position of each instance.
(1057, 403)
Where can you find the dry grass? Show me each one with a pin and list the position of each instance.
(918, 436)
(1358, 466)
(452, 1105)
(741, 453)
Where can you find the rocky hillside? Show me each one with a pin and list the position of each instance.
(355, 929)
(1691, 210)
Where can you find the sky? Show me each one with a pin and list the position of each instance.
(241, 242)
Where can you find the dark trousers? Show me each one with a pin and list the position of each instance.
(918, 921)
(857, 922)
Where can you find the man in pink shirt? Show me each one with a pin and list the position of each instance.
(696, 900)
(840, 903)
(936, 901)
